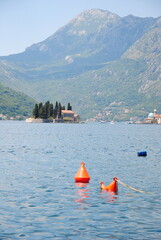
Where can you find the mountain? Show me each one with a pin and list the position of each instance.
(99, 62)
(94, 36)
(14, 104)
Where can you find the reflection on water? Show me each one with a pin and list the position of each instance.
(109, 196)
(82, 192)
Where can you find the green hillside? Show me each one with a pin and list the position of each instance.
(103, 64)
(14, 104)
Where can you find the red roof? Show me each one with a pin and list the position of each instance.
(67, 111)
(157, 115)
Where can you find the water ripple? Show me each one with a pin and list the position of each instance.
(40, 200)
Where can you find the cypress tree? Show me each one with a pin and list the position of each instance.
(59, 110)
(40, 105)
(55, 111)
(56, 105)
(42, 112)
(47, 110)
(69, 107)
(51, 110)
(35, 112)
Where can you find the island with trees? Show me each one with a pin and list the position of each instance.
(49, 113)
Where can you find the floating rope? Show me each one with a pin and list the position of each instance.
(125, 185)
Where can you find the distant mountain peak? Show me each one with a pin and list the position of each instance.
(94, 14)
(90, 20)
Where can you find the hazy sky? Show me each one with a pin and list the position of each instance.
(24, 22)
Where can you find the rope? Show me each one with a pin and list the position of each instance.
(125, 185)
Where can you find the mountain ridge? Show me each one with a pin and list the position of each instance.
(118, 51)
(62, 40)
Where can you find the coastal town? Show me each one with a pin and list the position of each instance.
(69, 116)
(153, 118)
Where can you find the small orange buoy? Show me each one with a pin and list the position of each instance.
(113, 186)
(82, 174)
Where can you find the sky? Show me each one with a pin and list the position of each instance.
(25, 22)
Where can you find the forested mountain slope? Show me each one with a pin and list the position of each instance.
(100, 62)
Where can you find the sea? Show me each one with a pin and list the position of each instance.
(40, 200)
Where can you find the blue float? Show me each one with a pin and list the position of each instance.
(142, 154)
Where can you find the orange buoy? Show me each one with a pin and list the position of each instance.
(82, 174)
(113, 186)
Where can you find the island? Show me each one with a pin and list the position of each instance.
(48, 113)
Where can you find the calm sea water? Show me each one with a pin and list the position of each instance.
(40, 200)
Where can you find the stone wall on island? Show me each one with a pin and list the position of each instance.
(38, 120)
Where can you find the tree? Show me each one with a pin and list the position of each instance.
(69, 107)
(59, 110)
(55, 111)
(56, 105)
(35, 112)
(51, 110)
(48, 111)
(40, 105)
(42, 112)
